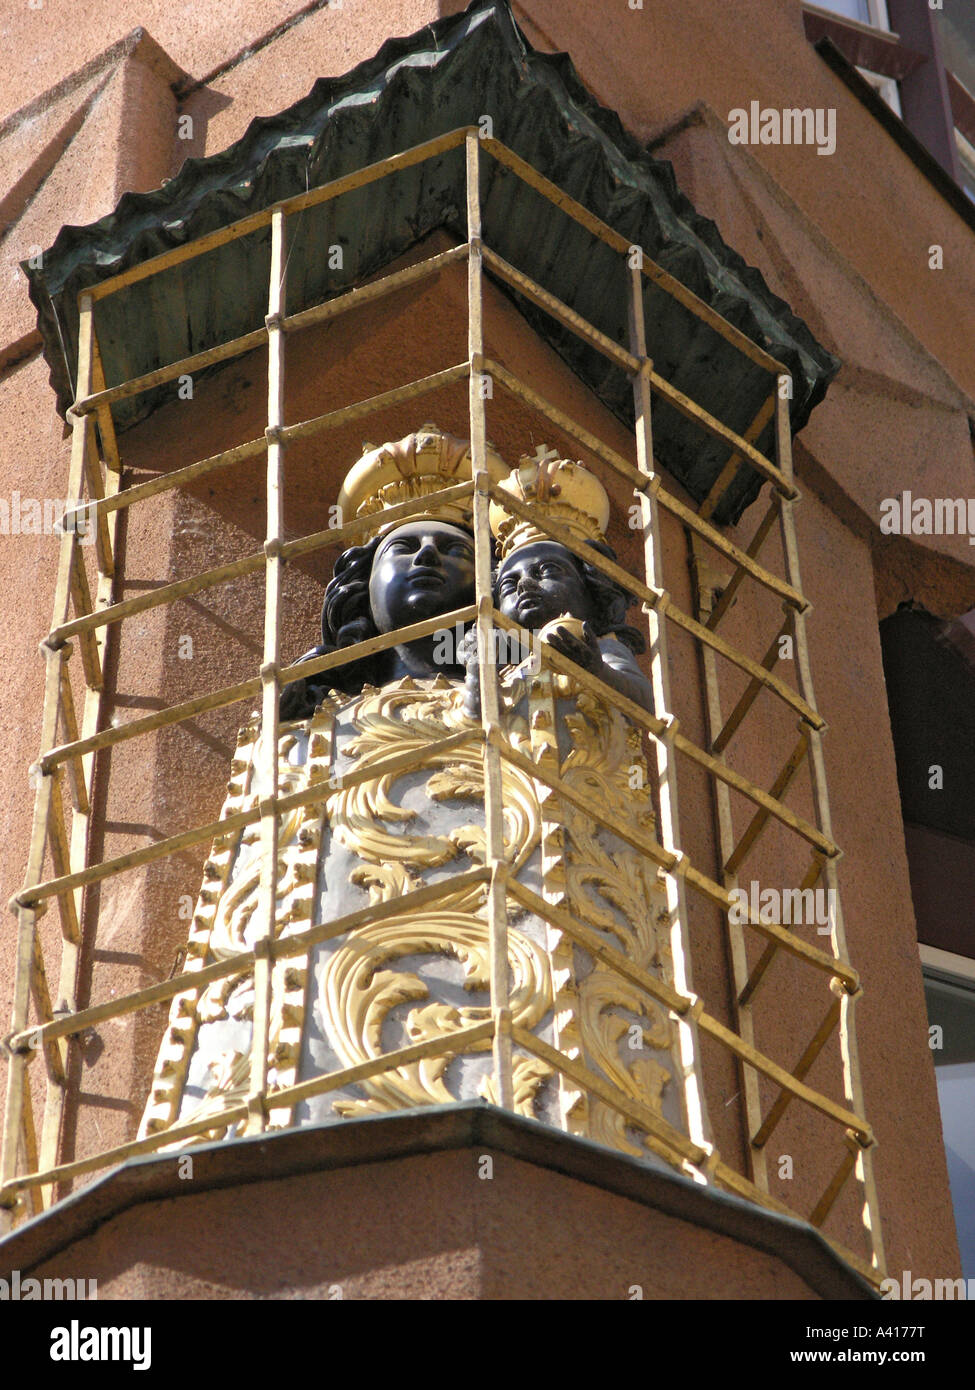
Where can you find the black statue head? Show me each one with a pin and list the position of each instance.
(415, 571)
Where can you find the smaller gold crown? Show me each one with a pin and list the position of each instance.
(416, 466)
(559, 490)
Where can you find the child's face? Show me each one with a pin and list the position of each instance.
(540, 582)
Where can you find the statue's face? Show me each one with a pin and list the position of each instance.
(419, 570)
(540, 582)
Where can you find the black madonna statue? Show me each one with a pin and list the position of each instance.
(399, 576)
(412, 975)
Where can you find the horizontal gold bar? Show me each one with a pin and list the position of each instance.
(252, 223)
(280, 949)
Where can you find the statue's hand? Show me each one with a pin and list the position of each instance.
(299, 698)
(584, 650)
(467, 656)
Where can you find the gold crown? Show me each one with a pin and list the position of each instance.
(561, 490)
(413, 467)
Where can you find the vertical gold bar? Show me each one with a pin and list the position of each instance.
(490, 703)
(27, 917)
(695, 1112)
(91, 715)
(738, 958)
(852, 1084)
(30, 1145)
(268, 758)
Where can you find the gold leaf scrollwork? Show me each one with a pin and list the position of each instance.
(359, 991)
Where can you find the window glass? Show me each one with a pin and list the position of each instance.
(955, 22)
(850, 9)
(951, 1012)
(966, 158)
(885, 87)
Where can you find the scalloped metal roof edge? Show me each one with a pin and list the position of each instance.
(571, 138)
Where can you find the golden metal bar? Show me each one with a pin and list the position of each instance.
(288, 1096)
(13, 1115)
(155, 598)
(785, 1079)
(96, 491)
(314, 665)
(27, 919)
(750, 693)
(637, 714)
(347, 184)
(849, 1051)
(643, 483)
(744, 560)
(561, 311)
(667, 859)
(341, 535)
(61, 858)
(760, 819)
(135, 858)
(848, 1162)
(735, 940)
(106, 426)
(233, 694)
(768, 955)
(69, 721)
(459, 1041)
(81, 597)
(589, 938)
(292, 323)
(799, 1071)
(664, 1139)
(745, 663)
(497, 908)
(728, 472)
(562, 421)
(30, 1143)
(782, 813)
(184, 367)
(162, 718)
(53, 1056)
(377, 289)
(332, 419)
(659, 600)
(752, 550)
(693, 1099)
(280, 949)
(735, 1182)
(140, 492)
(772, 931)
(653, 272)
(678, 401)
(267, 756)
(70, 951)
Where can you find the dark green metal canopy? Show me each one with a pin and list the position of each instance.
(447, 75)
